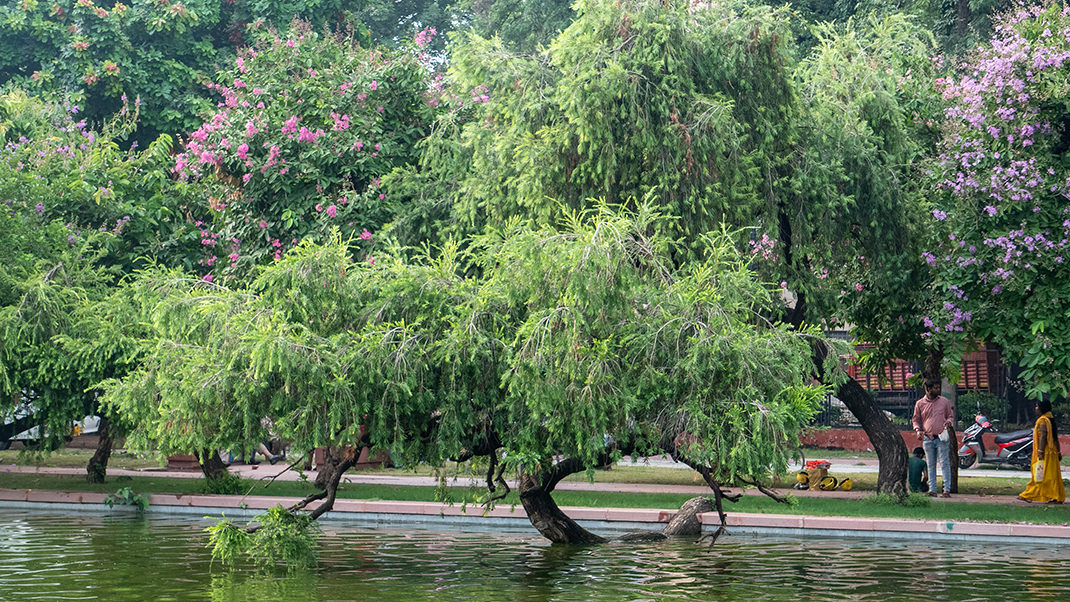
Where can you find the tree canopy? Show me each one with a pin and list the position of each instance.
(1002, 215)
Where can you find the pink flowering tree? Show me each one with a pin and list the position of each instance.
(305, 127)
(1003, 212)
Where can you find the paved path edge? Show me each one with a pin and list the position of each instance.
(616, 520)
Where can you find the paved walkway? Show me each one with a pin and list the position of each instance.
(279, 471)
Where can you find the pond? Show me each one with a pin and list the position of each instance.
(121, 557)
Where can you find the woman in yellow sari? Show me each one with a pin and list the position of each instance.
(1047, 483)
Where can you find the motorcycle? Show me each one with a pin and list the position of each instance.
(1015, 448)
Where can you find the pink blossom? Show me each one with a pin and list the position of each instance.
(332, 211)
(290, 125)
(374, 85)
(263, 224)
(207, 278)
(365, 235)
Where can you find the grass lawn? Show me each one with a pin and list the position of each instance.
(952, 511)
(621, 473)
(79, 458)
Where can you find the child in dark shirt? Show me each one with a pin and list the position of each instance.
(917, 470)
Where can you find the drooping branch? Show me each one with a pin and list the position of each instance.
(719, 495)
(496, 484)
(768, 492)
(339, 462)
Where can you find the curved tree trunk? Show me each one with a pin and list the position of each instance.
(211, 466)
(885, 437)
(337, 460)
(887, 442)
(97, 468)
(546, 517)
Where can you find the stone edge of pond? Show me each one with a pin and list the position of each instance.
(434, 514)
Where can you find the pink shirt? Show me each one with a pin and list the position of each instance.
(933, 416)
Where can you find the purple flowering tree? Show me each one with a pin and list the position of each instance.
(1003, 212)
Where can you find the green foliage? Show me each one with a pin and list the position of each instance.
(913, 500)
(278, 537)
(854, 221)
(94, 54)
(56, 168)
(981, 402)
(916, 500)
(126, 496)
(80, 214)
(633, 101)
(229, 543)
(706, 114)
(224, 484)
(522, 26)
(564, 336)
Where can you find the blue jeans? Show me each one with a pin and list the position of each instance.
(935, 448)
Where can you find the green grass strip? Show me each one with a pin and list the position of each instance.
(951, 511)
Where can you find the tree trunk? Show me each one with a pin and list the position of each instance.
(97, 468)
(952, 452)
(337, 460)
(547, 518)
(686, 521)
(211, 465)
(962, 17)
(887, 442)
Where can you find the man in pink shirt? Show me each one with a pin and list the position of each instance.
(932, 416)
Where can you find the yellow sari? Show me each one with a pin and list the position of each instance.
(1050, 486)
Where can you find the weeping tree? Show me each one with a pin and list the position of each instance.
(323, 351)
(847, 241)
(581, 343)
(608, 349)
(707, 112)
(79, 214)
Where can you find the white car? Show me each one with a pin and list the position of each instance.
(32, 435)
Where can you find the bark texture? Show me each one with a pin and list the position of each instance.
(686, 521)
(211, 466)
(887, 442)
(543, 512)
(97, 468)
(338, 460)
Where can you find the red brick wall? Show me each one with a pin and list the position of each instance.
(856, 440)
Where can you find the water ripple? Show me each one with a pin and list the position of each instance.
(118, 558)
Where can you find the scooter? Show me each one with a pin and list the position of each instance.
(1015, 448)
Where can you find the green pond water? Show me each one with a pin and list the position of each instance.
(121, 557)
